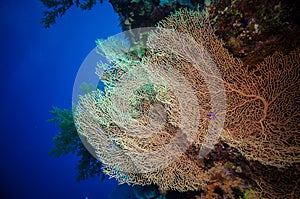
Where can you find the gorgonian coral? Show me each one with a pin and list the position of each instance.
(150, 124)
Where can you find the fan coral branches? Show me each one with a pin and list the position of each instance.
(150, 124)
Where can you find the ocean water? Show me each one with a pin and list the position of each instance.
(38, 67)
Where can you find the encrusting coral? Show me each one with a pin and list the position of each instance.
(262, 113)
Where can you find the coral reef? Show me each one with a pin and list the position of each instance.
(147, 13)
(262, 115)
(255, 29)
(251, 30)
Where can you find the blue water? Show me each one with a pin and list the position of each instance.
(38, 67)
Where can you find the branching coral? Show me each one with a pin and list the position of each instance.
(143, 128)
(263, 106)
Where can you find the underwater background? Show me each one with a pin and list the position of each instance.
(38, 67)
(40, 58)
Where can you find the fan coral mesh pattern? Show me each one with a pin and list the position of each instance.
(263, 106)
(262, 113)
